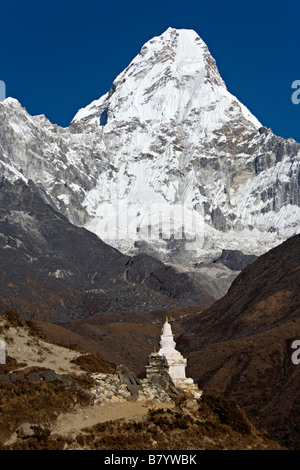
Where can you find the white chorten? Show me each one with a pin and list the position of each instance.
(176, 362)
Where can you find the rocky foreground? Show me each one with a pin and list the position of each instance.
(52, 397)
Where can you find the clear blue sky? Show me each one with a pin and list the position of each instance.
(57, 56)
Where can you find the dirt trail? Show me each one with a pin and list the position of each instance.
(79, 418)
(35, 351)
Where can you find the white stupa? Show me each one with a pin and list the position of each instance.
(176, 362)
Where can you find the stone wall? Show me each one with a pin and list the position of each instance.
(125, 386)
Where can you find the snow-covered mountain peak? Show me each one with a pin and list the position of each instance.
(10, 102)
(167, 155)
(191, 55)
(173, 77)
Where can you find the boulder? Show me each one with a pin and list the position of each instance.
(25, 431)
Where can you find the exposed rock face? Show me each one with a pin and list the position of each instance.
(264, 295)
(53, 270)
(235, 259)
(242, 345)
(168, 138)
(171, 111)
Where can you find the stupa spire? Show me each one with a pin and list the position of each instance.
(175, 362)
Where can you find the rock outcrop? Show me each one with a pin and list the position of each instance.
(56, 271)
(168, 160)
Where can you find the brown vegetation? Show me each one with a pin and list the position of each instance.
(240, 347)
(25, 398)
(94, 362)
(190, 425)
(37, 396)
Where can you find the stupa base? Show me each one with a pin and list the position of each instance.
(187, 385)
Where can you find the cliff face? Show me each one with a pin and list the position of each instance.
(242, 345)
(167, 161)
(53, 270)
(264, 295)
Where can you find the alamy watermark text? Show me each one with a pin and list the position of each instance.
(296, 94)
(296, 353)
(2, 90)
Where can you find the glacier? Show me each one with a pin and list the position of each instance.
(167, 162)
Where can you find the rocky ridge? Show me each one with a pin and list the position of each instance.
(56, 271)
(167, 137)
(241, 346)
